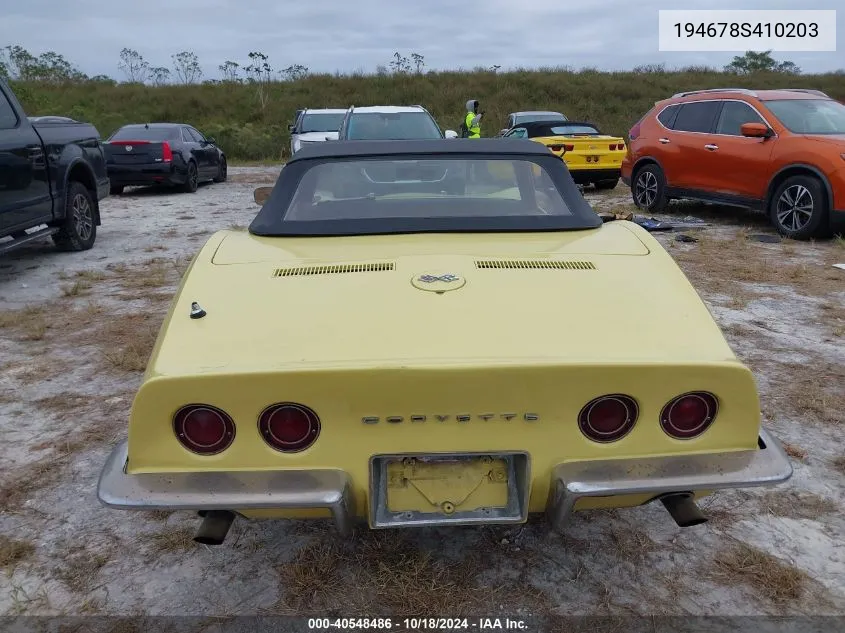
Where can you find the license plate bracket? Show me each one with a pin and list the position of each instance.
(429, 489)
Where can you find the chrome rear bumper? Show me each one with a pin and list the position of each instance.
(331, 488)
(765, 466)
(231, 490)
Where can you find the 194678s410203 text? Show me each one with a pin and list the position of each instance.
(382, 345)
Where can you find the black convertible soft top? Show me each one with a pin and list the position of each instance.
(432, 147)
(457, 160)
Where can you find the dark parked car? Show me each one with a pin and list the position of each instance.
(53, 173)
(530, 116)
(163, 154)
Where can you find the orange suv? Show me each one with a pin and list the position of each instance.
(780, 151)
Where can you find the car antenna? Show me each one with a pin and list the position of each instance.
(146, 126)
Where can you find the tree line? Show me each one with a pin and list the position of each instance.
(17, 63)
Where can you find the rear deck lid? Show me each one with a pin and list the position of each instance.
(613, 238)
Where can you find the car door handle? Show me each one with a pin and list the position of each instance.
(664, 140)
(35, 154)
(711, 147)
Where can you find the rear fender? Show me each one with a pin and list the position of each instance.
(79, 170)
(642, 162)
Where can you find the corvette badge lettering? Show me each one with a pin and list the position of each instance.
(442, 417)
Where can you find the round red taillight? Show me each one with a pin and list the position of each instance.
(689, 414)
(203, 429)
(289, 427)
(608, 418)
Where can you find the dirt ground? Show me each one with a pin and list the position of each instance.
(75, 332)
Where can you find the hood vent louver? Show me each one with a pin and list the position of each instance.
(332, 269)
(542, 264)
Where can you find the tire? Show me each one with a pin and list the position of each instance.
(607, 184)
(798, 208)
(78, 230)
(116, 190)
(192, 180)
(648, 189)
(223, 171)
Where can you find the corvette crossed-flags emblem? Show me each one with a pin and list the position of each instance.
(447, 278)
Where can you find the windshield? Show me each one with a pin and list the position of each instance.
(545, 116)
(321, 122)
(809, 116)
(393, 126)
(352, 196)
(142, 133)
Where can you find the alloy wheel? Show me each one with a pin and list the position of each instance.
(646, 189)
(83, 218)
(795, 208)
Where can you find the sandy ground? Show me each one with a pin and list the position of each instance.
(74, 331)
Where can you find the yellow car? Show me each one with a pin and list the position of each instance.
(407, 337)
(592, 157)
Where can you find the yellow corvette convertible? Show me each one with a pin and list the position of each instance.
(592, 157)
(407, 337)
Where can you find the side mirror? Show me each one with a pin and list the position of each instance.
(261, 194)
(291, 127)
(450, 134)
(502, 132)
(756, 130)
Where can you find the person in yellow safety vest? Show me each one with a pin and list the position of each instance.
(472, 122)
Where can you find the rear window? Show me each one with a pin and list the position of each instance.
(393, 126)
(417, 188)
(142, 133)
(547, 116)
(416, 194)
(573, 129)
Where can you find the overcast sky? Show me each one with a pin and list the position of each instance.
(343, 35)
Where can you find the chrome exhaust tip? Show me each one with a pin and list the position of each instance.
(214, 527)
(683, 509)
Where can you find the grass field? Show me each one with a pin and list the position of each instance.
(234, 115)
